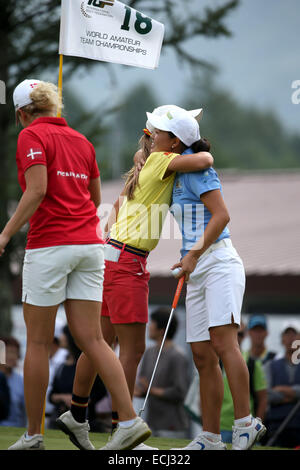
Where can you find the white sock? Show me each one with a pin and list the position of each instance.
(211, 436)
(243, 421)
(28, 438)
(126, 424)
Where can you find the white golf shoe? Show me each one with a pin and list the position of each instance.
(129, 437)
(34, 443)
(78, 432)
(244, 437)
(202, 443)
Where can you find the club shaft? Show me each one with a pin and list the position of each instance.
(174, 305)
(157, 360)
(284, 424)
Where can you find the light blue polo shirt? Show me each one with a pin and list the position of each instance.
(189, 211)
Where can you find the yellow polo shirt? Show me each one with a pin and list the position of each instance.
(141, 219)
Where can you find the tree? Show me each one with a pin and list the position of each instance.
(131, 120)
(29, 31)
(242, 136)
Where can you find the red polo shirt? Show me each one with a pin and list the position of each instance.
(66, 216)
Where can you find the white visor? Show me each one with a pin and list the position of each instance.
(180, 123)
(161, 110)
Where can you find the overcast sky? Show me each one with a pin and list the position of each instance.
(258, 64)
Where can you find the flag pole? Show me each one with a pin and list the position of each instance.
(60, 80)
(43, 418)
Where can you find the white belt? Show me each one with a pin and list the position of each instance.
(215, 246)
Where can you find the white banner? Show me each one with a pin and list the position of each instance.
(109, 31)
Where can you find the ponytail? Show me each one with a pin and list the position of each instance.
(202, 145)
(45, 100)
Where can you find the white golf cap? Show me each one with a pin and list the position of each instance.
(179, 122)
(291, 324)
(161, 110)
(21, 96)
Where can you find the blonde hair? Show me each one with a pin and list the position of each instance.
(45, 100)
(132, 176)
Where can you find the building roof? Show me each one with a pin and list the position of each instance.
(264, 209)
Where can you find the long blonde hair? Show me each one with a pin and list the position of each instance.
(132, 176)
(45, 100)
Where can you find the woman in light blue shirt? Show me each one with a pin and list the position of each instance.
(215, 286)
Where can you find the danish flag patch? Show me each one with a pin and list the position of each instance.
(34, 153)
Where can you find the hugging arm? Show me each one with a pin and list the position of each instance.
(191, 162)
(114, 214)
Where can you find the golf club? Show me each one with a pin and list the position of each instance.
(284, 424)
(174, 305)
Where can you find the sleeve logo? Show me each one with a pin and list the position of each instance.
(33, 153)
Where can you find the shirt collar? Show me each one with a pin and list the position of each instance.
(49, 120)
(187, 151)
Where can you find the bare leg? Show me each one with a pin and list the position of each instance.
(83, 319)
(225, 343)
(84, 377)
(40, 323)
(108, 330)
(211, 385)
(85, 371)
(131, 338)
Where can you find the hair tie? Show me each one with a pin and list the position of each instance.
(147, 132)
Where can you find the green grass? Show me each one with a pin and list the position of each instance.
(56, 440)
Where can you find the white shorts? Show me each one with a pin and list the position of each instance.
(53, 274)
(215, 292)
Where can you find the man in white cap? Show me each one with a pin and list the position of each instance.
(283, 376)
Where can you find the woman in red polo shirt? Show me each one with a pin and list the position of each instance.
(64, 260)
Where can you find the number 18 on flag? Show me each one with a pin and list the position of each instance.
(110, 31)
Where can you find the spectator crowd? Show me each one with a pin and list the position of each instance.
(173, 402)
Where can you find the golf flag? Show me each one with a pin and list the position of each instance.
(109, 31)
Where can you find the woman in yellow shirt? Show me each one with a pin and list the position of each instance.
(135, 233)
